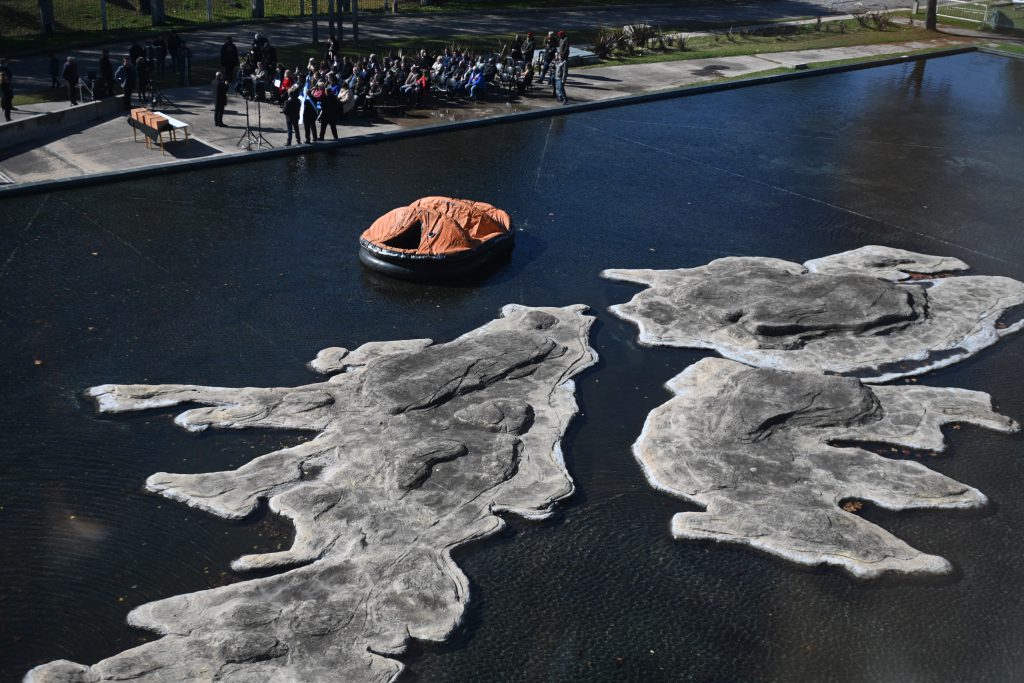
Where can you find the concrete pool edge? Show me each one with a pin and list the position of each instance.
(16, 190)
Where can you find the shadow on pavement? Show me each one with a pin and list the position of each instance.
(193, 149)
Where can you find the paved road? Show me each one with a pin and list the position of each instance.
(30, 73)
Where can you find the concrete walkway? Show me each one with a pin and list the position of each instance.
(108, 146)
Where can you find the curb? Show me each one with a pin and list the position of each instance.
(370, 138)
(1000, 53)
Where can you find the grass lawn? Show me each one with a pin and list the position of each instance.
(1016, 48)
(802, 37)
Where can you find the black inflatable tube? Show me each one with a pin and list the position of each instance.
(432, 269)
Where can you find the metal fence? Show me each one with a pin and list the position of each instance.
(24, 17)
(964, 11)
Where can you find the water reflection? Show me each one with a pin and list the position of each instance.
(237, 276)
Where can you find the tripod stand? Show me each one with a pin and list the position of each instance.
(248, 135)
(159, 99)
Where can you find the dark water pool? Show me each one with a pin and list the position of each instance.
(238, 276)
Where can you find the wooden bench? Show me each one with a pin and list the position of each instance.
(153, 125)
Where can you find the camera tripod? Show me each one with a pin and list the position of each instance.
(158, 99)
(248, 135)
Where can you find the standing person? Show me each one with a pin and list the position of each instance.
(561, 73)
(308, 113)
(229, 58)
(184, 64)
(7, 70)
(70, 76)
(161, 54)
(54, 71)
(174, 43)
(330, 112)
(125, 75)
(563, 46)
(6, 95)
(107, 74)
(529, 48)
(135, 51)
(292, 108)
(141, 78)
(550, 48)
(220, 99)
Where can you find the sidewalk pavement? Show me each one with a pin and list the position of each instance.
(31, 73)
(108, 146)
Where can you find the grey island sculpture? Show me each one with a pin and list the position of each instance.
(767, 441)
(418, 447)
(772, 454)
(857, 313)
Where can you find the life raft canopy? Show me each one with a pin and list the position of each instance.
(438, 227)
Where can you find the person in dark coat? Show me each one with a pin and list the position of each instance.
(161, 54)
(125, 75)
(107, 74)
(330, 112)
(550, 50)
(229, 58)
(529, 48)
(174, 43)
(4, 68)
(292, 107)
(6, 95)
(135, 51)
(308, 116)
(54, 71)
(220, 99)
(70, 76)
(141, 78)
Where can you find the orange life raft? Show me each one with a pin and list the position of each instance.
(436, 238)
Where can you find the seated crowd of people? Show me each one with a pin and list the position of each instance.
(326, 90)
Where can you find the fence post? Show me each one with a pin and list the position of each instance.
(46, 16)
(103, 14)
(209, 11)
(257, 9)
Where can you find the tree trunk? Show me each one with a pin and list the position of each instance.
(258, 10)
(157, 12)
(46, 16)
(316, 22)
(932, 17)
(355, 23)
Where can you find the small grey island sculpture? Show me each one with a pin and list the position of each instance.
(418, 447)
(771, 455)
(856, 313)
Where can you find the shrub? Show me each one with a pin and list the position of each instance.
(640, 35)
(605, 42)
